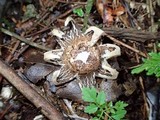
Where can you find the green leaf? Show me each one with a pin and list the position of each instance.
(108, 107)
(110, 104)
(120, 105)
(79, 12)
(101, 98)
(98, 113)
(89, 94)
(30, 12)
(119, 114)
(138, 69)
(99, 107)
(92, 108)
(95, 118)
(120, 111)
(89, 6)
(112, 110)
(151, 65)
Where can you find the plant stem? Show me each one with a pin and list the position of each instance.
(87, 12)
(108, 115)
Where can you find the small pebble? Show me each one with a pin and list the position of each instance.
(23, 44)
(39, 117)
(6, 92)
(43, 40)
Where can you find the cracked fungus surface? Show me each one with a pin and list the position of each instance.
(81, 55)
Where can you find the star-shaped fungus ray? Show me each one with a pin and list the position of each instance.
(81, 56)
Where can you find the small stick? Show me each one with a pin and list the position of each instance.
(68, 12)
(39, 32)
(48, 27)
(125, 45)
(70, 2)
(16, 56)
(5, 111)
(33, 44)
(12, 52)
(136, 55)
(46, 108)
(146, 110)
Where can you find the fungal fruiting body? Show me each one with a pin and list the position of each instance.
(81, 56)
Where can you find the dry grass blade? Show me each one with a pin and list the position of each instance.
(33, 44)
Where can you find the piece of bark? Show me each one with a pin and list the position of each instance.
(132, 34)
(46, 108)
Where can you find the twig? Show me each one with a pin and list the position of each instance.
(46, 108)
(33, 44)
(38, 32)
(16, 56)
(127, 33)
(73, 114)
(69, 2)
(37, 22)
(136, 55)
(151, 14)
(125, 45)
(48, 27)
(42, 17)
(12, 52)
(68, 12)
(145, 112)
(5, 111)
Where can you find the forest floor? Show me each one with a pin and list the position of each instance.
(26, 92)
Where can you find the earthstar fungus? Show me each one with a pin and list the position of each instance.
(81, 55)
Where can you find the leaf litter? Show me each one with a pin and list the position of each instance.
(109, 15)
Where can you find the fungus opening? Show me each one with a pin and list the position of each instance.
(81, 58)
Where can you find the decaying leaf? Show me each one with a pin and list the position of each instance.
(109, 10)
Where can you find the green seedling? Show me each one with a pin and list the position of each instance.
(99, 108)
(79, 12)
(87, 12)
